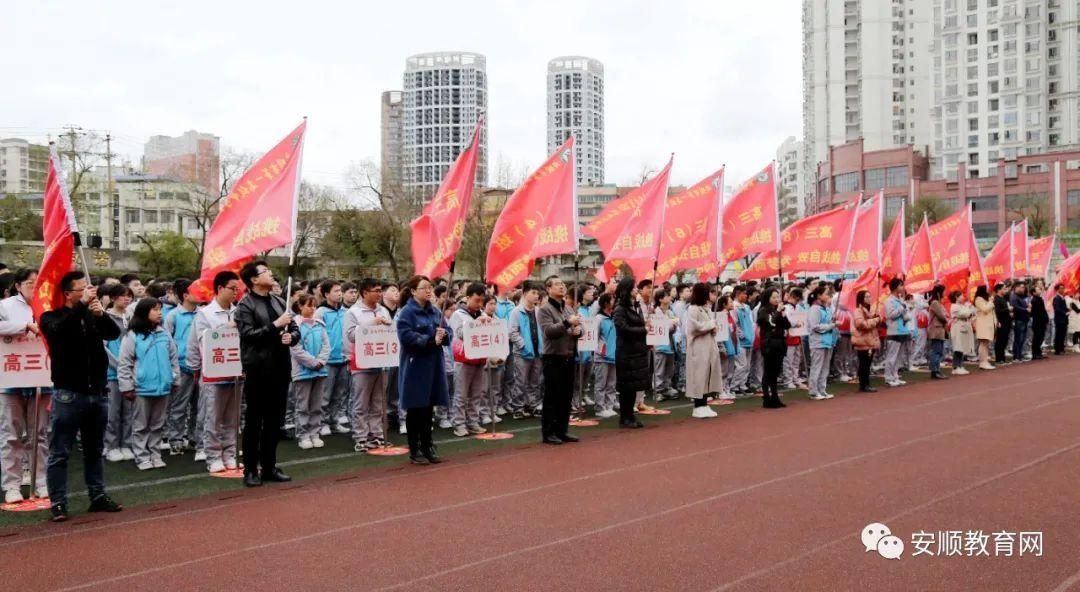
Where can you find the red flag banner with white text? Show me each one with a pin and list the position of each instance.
(1019, 249)
(949, 239)
(868, 280)
(866, 242)
(750, 222)
(628, 229)
(815, 244)
(689, 238)
(996, 264)
(1068, 276)
(259, 213)
(437, 232)
(920, 274)
(893, 253)
(58, 227)
(1040, 251)
(538, 220)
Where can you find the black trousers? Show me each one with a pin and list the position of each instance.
(1038, 337)
(1061, 331)
(558, 394)
(866, 356)
(418, 427)
(265, 393)
(772, 367)
(1001, 342)
(627, 402)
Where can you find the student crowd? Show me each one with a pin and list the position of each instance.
(303, 381)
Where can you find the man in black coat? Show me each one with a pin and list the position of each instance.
(1061, 320)
(75, 334)
(1039, 321)
(266, 332)
(1004, 319)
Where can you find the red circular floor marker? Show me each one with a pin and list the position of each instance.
(584, 423)
(229, 474)
(655, 412)
(36, 504)
(388, 451)
(494, 436)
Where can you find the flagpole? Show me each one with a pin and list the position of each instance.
(847, 253)
(295, 215)
(779, 233)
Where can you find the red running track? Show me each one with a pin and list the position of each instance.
(759, 500)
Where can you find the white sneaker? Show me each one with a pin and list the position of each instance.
(340, 429)
(42, 492)
(158, 463)
(114, 455)
(461, 431)
(304, 444)
(703, 412)
(845, 378)
(200, 456)
(325, 431)
(445, 424)
(485, 421)
(500, 410)
(12, 496)
(402, 429)
(498, 419)
(817, 397)
(317, 442)
(164, 445)
(216, 467)
(828, 396)
(960, 371)
(342, 420)
(894, 383)
(128, 453)
(145, 466)
(231, 464)
(609, 413)
(289, 426)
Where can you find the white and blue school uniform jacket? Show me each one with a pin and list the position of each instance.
(584, 312)
(112, 348)
(823, 333)
(360, 316)
(15, 313)
(178, 324)
(207, 318)
(313, 347)
(148, 364)
(744, 318)
(607, 339)
(334, 319)
(666, 348)
(521, 334)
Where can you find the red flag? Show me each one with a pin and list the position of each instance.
(865, 252)
(818, 243)
(893, 253)
(949, 239)
(628, 229)
(971, 275)
(996, 265)
(691, 220)
(1069, 276)
(920, 268)
(750, 222)
(59, 228)
(436, 234)
(1040, 251)
(539, 219)
(259, 213)
(867, 280)
(1018, 250)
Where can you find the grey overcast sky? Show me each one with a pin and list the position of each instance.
(712, 81)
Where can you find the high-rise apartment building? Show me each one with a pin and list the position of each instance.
(390, 154)
(575, 106)
(445, 93)
(191, 158)
(23, 166)
(1006, 82)
(794, 185)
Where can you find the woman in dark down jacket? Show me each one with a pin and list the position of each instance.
(632, 373)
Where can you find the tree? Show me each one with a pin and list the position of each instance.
(1035, 207)
(386, 210)
(935, 210)
(17, 221)
(80, 151)
(203, 207)
(167, 254)
(315, 205)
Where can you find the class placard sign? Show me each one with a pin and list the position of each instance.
(377, 346)
(660, 332)
(485, 337)
(221, 353)
(590, 334)
(25, 362)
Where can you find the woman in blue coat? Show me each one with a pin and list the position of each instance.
(421, 377)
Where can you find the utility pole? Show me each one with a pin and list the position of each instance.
(110, 201)
(71, 132)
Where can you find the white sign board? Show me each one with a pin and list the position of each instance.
(723, 327)
(590, 334)
(377, 346)
(661, 329)
(25, 362)
(221, 353)
(485, 338)
(797, 318)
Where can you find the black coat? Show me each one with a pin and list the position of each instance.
(1039, 316)
(1061, 312)
(774, 326)
(261, 349)
(632, 372)
(75, 337)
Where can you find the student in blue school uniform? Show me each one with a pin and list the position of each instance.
(148, 371)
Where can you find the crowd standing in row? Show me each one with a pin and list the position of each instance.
(126, 360)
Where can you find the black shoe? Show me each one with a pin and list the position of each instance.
(275, 475)
(104, 503)
(631, 425)
(868, 389)
(59, 513)
(554, 440)
(251, 479)
(418, 459)
(938, 376)
(770, 403)
(569, 438)
(431, 456)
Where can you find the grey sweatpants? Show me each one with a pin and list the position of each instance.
(308, 395)
(182, 418)
(605, 393)
(757, 370)
(918, 351)
(121, 411)
(470, 386)
(663, 373)
(493, 394)
(16, 414)
(892, 359)
(222, 418)
(369, 405)
(526, 391)
(335, 389)
(740, 369)
(793, 365)
(147, 426)
(819, 370)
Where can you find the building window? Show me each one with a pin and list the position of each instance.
(893, 204)
(874, 179)
(985, 230)
(896, 176)
(132, 216)
(846, 183)
(150, 217)
(984, 204)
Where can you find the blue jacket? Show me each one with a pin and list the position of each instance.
(731, 345)
(823, 333)
(421, 374)
(112, 348)
(314, 346)
(744, 316)
(666, 348)
(503, 308)
(334, 319)
(897, 317)
(148, 364)
(584, 312)
(178, 324)
(607, 339)
(521, 334)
